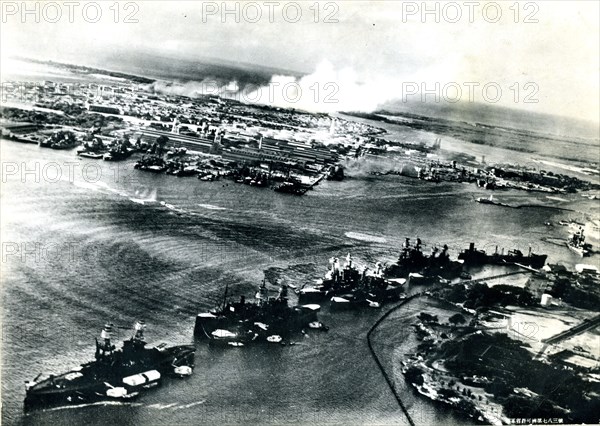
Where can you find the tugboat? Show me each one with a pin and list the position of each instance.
(92, 148)
(114, 374)
(90, 154)
(418, 267)
(181, 169)
(472, 256)
(121, 150)
(492, 201)
(268, 319)
(61, 139)
(292, 186)
(151, 163)
(577, 243)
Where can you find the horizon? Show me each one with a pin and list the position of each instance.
(569, 127)
(547, 67)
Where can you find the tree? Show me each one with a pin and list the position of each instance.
(425, 317)
(414, 375)
(162, 140)
(457, 319)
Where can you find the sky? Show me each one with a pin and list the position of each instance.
(374, 51)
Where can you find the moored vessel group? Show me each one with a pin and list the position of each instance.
(125, 372)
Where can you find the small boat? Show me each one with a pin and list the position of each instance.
(490, 200)
(347, 301)
(89, 154)
(274, 339)
(317, 325)
(118, 154)
(223, 334)
(156, 169)
(183, 371)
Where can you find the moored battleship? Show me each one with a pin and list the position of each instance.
(415, 265)
(268, 319)
(115, 373)
(349, 286)
(473, 256)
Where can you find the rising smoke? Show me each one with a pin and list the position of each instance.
(325, 90)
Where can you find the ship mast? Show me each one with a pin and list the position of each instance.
(225, 296)
(105, 348)
(139, 327)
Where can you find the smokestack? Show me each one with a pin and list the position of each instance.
(471, 246)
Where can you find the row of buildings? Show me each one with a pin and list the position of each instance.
(266, 149)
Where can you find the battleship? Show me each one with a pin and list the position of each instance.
(348, 286)
(577, 243)
(269, 319)
(473, 256)
(115, 374)
(415, 265)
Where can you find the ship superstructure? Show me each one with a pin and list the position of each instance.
(115, 373)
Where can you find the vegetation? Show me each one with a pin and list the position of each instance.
(457, 319)
(425, 317)
(480, 295)
(80, 118)
(583, 293)
(414, 375)
(496, 355)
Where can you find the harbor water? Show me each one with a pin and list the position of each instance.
(86, 242)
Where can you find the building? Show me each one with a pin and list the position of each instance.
(268, 150)
(18, 128)
(575, 360)
(104, 108)
(191, 143)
